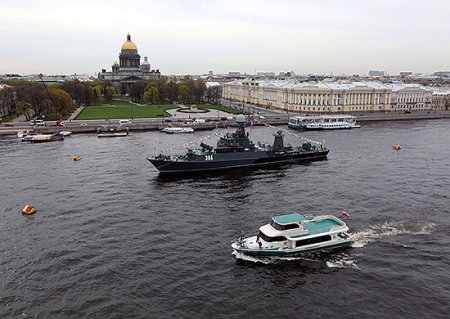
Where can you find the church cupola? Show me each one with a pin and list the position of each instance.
(129, 57)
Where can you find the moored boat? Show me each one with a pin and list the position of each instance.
(43, 138)
(177, 130)
(65, 133)
(295, 234)
(331, 126)
(108, 131)
(323, 122)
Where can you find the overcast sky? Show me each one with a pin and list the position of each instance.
(195, 36)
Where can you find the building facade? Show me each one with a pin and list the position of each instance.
(441, 100)
(410, 97)
(129, 70)
(314, 97)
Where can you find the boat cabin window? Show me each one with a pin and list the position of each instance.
(311, 241)
(277, 226)
(271, 239)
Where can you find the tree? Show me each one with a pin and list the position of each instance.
(137, 90)
(147, 96)
(185, 94)
(61, 99)
(8, 104)
(155, 96)
(173, 91)
(26, 109)
(110, 92)
(99, 98)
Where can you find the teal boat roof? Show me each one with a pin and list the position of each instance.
(288, 218)
(321, 227)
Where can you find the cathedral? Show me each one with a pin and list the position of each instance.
(129, 70)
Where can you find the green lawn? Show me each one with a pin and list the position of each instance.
(218, 107)
(122, 109)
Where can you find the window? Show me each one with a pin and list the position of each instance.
(271, 239)
(311, 241)
(277, 226)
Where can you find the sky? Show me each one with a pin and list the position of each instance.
(196, 36)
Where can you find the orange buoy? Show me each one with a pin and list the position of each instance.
(396, 147)
(76, 157)
(28, 210)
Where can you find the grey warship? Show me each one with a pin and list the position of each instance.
(235, 150)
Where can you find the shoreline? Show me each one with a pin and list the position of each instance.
(364, 118)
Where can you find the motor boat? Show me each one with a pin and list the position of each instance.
(295, 234)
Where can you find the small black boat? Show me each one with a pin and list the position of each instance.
(235, 150)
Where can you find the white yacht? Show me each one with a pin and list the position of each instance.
(331, 126)
(295, 234)
(177, 130)
(332, 122)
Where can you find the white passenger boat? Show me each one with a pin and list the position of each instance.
(177, 130)
(295, 234)
(331, 126)
(302, 122)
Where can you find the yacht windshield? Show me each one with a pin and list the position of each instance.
(277, 226)
(270, 239)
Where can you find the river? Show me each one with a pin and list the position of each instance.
(112, 239)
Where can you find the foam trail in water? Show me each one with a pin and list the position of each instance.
(391, 228)
(339, 261)
(342, 261)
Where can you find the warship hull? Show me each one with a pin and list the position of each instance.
(220, 161)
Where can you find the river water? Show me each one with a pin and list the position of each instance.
(111, 239)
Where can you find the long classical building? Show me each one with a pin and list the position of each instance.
(129, 70)
(410, 97)
(292, 95)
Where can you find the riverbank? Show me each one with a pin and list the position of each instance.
(157, 126)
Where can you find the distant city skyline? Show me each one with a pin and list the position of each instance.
(193, 37)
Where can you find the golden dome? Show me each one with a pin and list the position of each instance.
(129, 45)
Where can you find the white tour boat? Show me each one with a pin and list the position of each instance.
(177, 130)
(310, 122)
(295, 234)
(331, 126)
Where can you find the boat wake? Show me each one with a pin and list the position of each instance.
(332, 260)
(386, 229)
(342, 261)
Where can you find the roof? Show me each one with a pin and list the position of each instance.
(288, 218)
(294, 84)
(321, 227)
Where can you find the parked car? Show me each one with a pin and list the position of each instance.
(37, 122)
(124, 122)
(199, 121)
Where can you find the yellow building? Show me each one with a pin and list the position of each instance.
(315, 97)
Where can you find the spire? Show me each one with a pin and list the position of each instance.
(128, 37)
